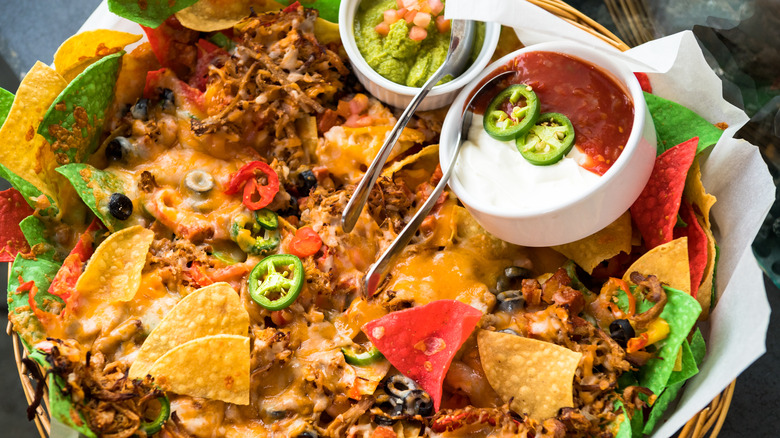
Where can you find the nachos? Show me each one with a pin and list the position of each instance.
(179, 268)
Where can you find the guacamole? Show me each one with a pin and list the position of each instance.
(396, 56)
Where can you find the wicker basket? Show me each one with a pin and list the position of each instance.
(631, 19)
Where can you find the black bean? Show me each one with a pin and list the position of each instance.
(621, 331)
(382, 420)
(510, 300)
(140, 109)
(307, 434)
(308, 182)
(120, 206)
(502, 284)
(517, 272)
(118, 148)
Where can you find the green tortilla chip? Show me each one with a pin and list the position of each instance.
(698, 349)
(28, 190)
(95, 187)
(328, 9)
(41, 271)
(688, 367)
(6, 100)
(150, 13)
(34, 231)
(632, 427)
(680, 312)
(74, 120)
(675, 124)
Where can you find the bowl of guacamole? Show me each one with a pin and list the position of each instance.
(394, 46)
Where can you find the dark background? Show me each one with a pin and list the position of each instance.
(739, 37)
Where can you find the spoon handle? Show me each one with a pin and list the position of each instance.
(377, 271)
(358, 200)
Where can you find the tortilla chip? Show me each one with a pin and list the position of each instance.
(367, 378)
(668, 262)
(149, 13)
(95, 187)
(655, 210)
(23, 153)
(113, 273)
(6, 100)
(20, 314)
(212, 15)
(432, 150)
(36, 234)
(508, 42)
(212, 310)
(603, 245)
(82, 50)
(13, 209)
(694, 191)
(534, 377)
(421, 341)
(75, 119)
(327, 32)
(675, 124)
(681, 312)
(215, 367)
(706, 295)
(697, 244)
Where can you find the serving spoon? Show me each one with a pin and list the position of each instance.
(378, 270)
(461, 43)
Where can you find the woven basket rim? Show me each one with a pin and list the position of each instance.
(710, 419)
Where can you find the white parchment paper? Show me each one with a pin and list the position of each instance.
(734, 172)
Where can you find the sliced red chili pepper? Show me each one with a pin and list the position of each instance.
(256, 196)
(305, 243)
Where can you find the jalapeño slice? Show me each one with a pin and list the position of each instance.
(276, 281)
(551, 137)
(511, 113)
(353, 357)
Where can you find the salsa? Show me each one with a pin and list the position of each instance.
(601, 112)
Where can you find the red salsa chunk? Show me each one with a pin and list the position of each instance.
(601, 112)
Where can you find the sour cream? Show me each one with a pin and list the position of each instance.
(496, 172)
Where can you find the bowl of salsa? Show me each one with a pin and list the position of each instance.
(557, 150)
(396, 45)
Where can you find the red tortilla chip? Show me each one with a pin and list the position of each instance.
(655, 210)
(13, 208)
(644, 82)
(421, 342)
(697, 244)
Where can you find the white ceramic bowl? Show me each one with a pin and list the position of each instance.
(599, 206)
(399, 95)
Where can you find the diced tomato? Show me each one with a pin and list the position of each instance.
(422, 19)
(409, 16)
(442, 24)
(382, 29)
(436, 6)
(198, 275)
(384, 432)
(305, 243)
(207, 54)
(391, 16)
(417, 33)
(293, 7)
(168, 47)
(156, 80)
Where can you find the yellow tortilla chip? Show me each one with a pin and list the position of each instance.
(603, 245)
(535, 377)
(22, 150)
(326, 32)
(432, 150)
(215, 367)
(113, 273)
(704, 295)
(213, 15)
(80, 51)
(668, 262)
(211, 310)
(695, 193)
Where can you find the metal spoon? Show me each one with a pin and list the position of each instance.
(461, 43)
(378, 270)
